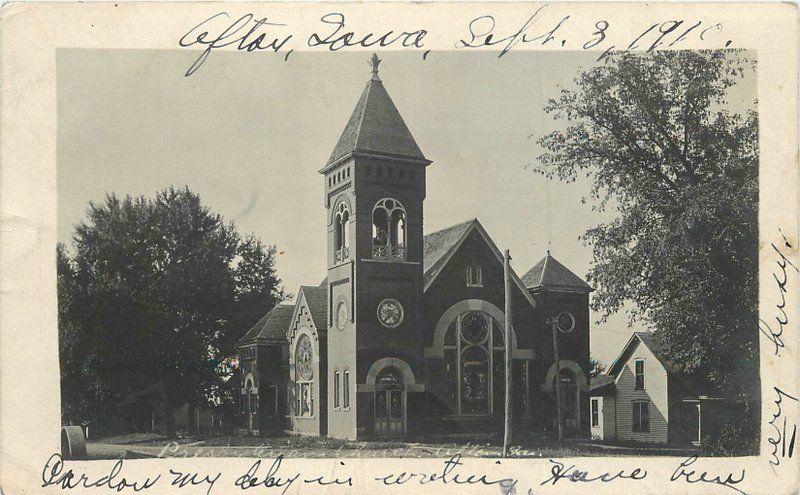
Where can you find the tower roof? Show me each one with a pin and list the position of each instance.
(376, 127)
(549, 273)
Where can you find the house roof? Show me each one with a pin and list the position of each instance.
(648, 340)
(550, 274)
(375, 127)
(271, 327)
(601, 384)
(317, 300)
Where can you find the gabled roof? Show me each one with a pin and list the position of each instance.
(439, 247)
(317, 300)
(550, 274)
(376, 127)
(271, 328)
(647, 339)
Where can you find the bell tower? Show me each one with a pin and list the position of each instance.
(374, 193)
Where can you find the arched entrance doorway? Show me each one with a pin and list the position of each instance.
(572, 382)
(390, 403)
(390, 380)
(569, 400)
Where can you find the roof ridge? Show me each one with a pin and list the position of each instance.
(474, 219)
(544, 267)
(367, 90)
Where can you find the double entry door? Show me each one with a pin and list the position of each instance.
(390, 412)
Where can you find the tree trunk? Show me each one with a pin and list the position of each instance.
(169, 421)
(191, 421)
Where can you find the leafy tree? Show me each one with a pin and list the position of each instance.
(155, 296)
(596, 367)
(656, 136)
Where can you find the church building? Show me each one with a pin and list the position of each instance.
(405, 334)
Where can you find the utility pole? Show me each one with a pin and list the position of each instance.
(508, 357)
(554, 323)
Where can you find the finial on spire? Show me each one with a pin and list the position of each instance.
(375, 63)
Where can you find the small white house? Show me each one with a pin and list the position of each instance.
(631, 401)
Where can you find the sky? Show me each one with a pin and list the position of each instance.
(248, 133)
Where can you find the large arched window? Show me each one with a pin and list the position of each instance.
(388, 230)
(304, 377)
(473, 364)
(341, 242)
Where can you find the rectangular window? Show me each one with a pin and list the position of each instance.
(306, 400)
(641, 416)
(474, 276)
(639, 368)
(595, 412)
(336, 390)
(346, 386)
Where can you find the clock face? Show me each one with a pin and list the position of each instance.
(341, 315)
(390, 313)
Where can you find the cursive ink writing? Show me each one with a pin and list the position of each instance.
(778, 435)
(271, 480)
(691, 476)
(481, 32)
(559, 471)
(246, 31)
(337, 40)
(782, 319)
(52, 474)
(447, 476)
(192, 479)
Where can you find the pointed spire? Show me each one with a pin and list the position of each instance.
(376, 126)
(375, 61)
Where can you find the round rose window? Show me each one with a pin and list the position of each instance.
(390, 313)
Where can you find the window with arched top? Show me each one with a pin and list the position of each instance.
(304, 377)
(341, 241)
(388, 230)
(473, 363)
(250, 397)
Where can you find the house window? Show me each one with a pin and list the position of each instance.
(595, 412)
(639, 368)
(304, 374)
(641, 416)
(474, 276)
(388, 230)
(336, 390)
(341, 241)
(473, 364)
(346, 387)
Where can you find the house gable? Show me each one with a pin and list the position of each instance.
(655, 392)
